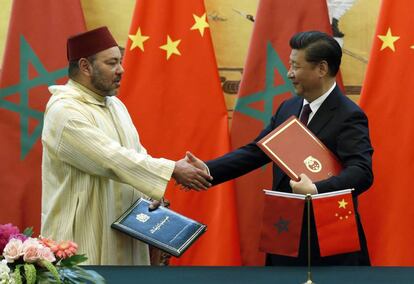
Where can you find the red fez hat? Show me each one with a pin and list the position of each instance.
(89, 43)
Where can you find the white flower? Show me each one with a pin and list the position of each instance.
(5, 273)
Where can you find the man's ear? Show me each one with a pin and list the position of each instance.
(85, 66)
(323, 68)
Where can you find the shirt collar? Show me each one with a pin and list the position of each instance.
(88, 95)
(318, 102)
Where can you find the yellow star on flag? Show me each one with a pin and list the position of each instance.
(342, 203)
(138, 40)
(171, 47)
(200, 23)
(388, 40)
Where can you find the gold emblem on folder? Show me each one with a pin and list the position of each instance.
(142, 217)
(313, 164)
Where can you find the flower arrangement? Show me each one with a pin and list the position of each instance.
(40, 260)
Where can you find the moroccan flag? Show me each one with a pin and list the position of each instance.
(387, 97)
(34, 58)
(172, 90)
(263, 87)
(282, 223)
(335, 222)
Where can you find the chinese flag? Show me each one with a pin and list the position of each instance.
(282, 223)
(263, 87)
(34, 58)
(172, 90)
(335, 222)
(387, 98)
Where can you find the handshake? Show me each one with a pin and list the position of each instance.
(191, 173)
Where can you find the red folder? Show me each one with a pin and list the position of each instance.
(295, 149)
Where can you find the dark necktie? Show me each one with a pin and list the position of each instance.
(304, 116)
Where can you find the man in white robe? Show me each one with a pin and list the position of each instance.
(94, 166)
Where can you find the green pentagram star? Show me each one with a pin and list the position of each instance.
(27, 56)
(273, 62)
(282, 225)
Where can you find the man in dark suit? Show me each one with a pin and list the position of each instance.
(337, 121)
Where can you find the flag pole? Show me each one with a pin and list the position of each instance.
(309, 281)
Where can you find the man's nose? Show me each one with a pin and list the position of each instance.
(120, 69)
(290, 73)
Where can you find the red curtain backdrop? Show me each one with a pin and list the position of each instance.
(34, 58)
(263, 87)
(387, 98)
(172, 91)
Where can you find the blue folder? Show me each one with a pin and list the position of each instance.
(162, 228)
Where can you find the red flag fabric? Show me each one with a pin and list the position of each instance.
(282, 223)
(335, 222)
(386, 209)
(35, 57)
(172, 90)
(263, 87)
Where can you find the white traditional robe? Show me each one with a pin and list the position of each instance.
(93, 169)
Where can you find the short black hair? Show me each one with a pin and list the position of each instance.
(319, 46)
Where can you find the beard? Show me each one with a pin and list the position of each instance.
(104, 86)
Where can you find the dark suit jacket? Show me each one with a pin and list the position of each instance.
(343, 127)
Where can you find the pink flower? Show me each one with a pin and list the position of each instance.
(65, 249)
(47, 242)
(13, 250)
(5, 231)
(47, 254)
(19, 236)
(31, 250)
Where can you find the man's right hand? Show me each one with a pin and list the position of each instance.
(190, 176)
(196, 162)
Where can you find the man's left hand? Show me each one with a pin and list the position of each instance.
(303, 186)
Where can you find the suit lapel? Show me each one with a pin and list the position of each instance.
(326, 112)
(297, 107)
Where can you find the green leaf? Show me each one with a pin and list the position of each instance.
(80, 275)
(28, 232)
(45, 277)
(74, 275)
(17, 277)
(49, 266)
(30, 273)
(73, 260)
